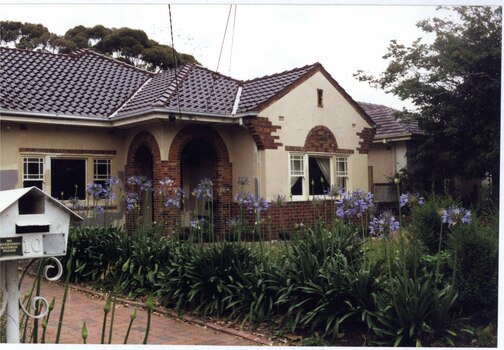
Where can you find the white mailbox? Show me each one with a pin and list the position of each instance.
(32, 224)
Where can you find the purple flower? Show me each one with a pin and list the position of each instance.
(257, 205)
(243, 198)
(354, 204)
(204, 189)
(99, 209)
(410, 199)
(197, 224)
(172, 202)
(455, 215)
(179, 192)
(132, 200)
(141, 182)
(111, 182)
(384, 224)
(94, 190)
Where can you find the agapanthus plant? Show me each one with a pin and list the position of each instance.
(455, 215)
(383, 224)
(204, 189)
(353, 205)
(410, 199)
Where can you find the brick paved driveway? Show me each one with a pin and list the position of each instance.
(166, 330)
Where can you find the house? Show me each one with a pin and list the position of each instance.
(67, 120)
(388, 155)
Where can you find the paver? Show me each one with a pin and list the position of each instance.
(164, 329)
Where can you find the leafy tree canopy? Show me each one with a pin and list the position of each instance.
(455, 84)
(132, 46)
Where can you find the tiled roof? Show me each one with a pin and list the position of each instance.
(155, 93)
(205, 91)
(259, 91)
(80, 84)
(387, 124)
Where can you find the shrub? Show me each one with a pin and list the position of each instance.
(320, 274)
(426, 222)
(205, 278)
(477, 268)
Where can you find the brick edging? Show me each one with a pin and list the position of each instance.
(170, 313)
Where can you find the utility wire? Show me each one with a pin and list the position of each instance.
(232, 41)
(214, 75)
(174, 60)
(224, 37)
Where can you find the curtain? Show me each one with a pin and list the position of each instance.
(293, 180)
(325, 167)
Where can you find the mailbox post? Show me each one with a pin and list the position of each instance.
(33, 225)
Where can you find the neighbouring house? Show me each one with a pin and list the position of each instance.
(388, 155)
(72, 119)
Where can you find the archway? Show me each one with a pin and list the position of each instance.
(198, 160)
(143, 161)
(197, 152)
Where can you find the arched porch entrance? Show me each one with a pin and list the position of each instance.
(144, 161)
(196, 153)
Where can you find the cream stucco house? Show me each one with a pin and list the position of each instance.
(68, 120)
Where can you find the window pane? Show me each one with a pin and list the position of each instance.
(68, 178)
(297, 166)
(297, 187)
(30, 183)
(341, 182)
(101, 169)
(33, 168)
(319, 171)
(341, 167)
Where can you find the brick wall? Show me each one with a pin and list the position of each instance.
(262, 131)
(285, 218)
(319, 139)
(366, 136)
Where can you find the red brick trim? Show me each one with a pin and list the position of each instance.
(134, 168)
(319, 139)
(366, 136)
(261, 130)
(67, 151)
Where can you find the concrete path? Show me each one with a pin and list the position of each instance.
(165, 329)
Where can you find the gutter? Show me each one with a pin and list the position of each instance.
(55, 118)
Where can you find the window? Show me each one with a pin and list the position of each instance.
(319, 174)
(320, 97)
(33, 172)
(296, 174)
(68, 178)
(341, 172)
(102, 171)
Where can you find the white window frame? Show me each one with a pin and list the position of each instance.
(39, 176)
(334, 175)
(299, 173)
(342, 174)
(101, 177)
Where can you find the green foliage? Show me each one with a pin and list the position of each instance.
(425, 223)
(477, 249)
(101, 252)
(455, 84)
(132, 46)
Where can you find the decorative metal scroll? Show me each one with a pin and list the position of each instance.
(41, 301)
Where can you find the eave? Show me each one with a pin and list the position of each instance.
(124, 121)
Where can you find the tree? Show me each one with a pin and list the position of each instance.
(455, 84)
(132, 46)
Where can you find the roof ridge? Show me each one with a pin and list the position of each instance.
(184, 71)
(284, 72)
(36, 52)
(217, 73)
(81, 52)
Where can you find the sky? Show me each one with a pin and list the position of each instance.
(262, 39)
